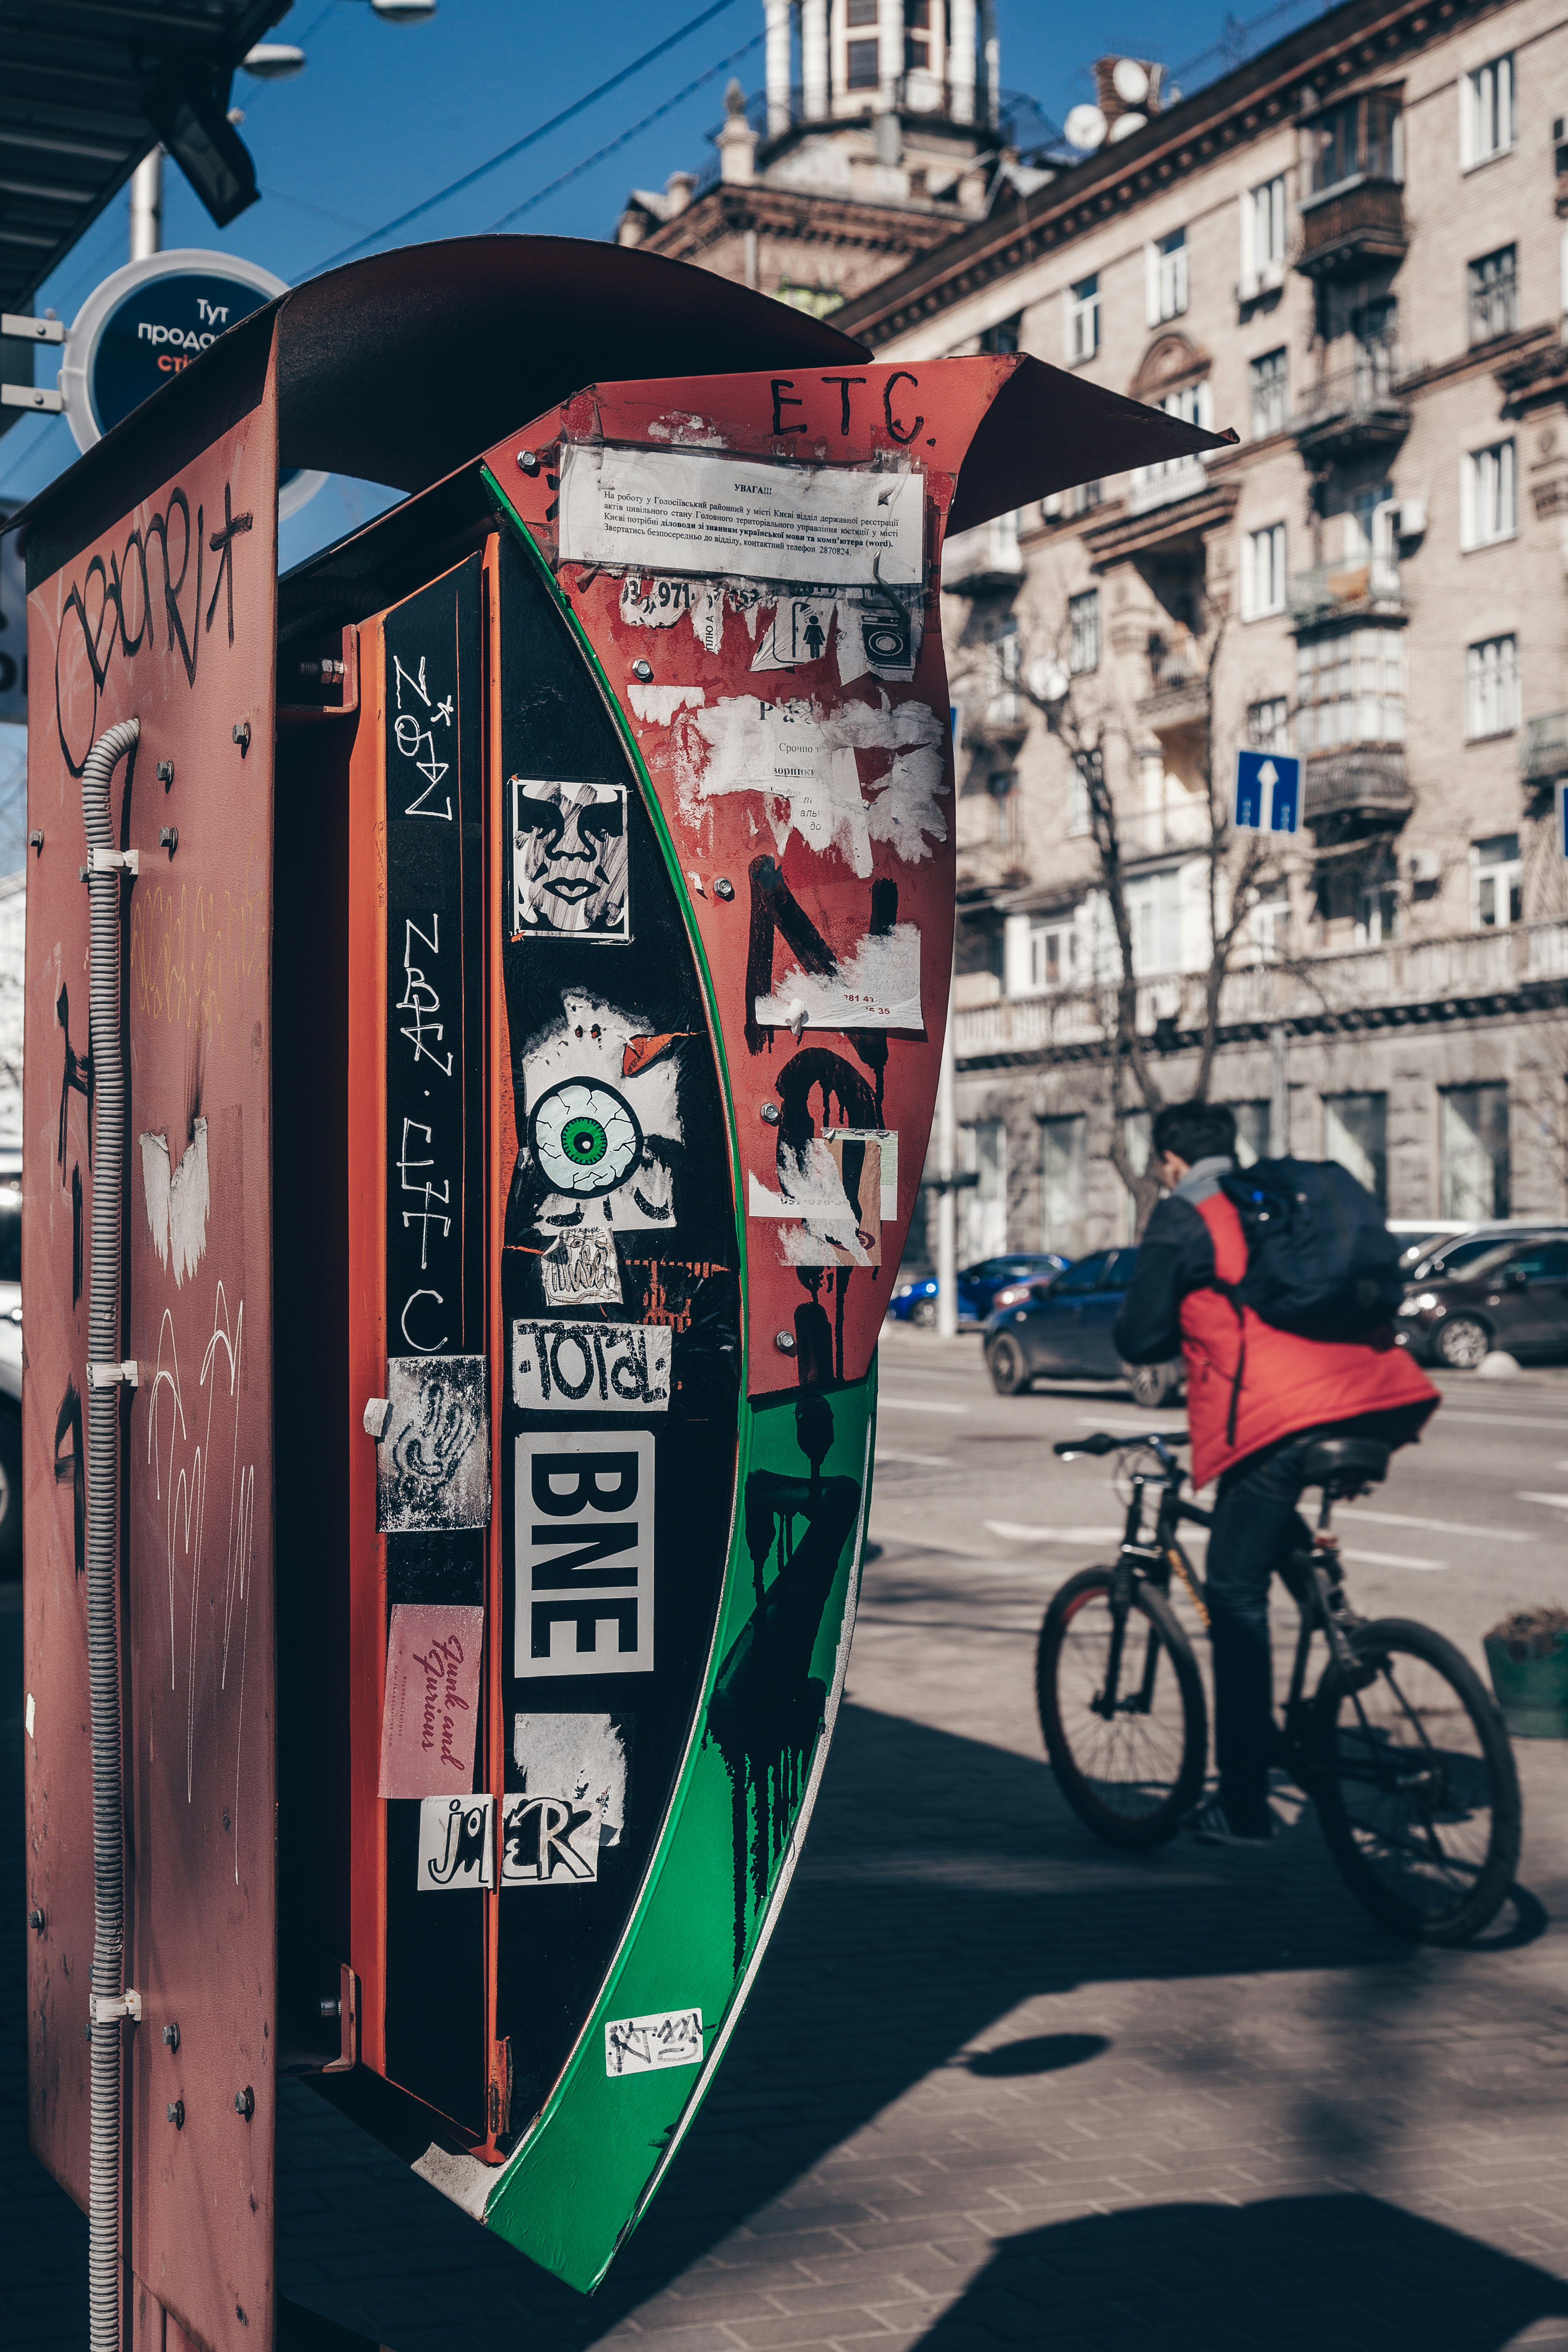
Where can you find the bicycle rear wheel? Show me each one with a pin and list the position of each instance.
(1418, 1793)
(1129, 1753)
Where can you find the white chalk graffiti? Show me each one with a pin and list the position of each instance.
(183, 1467)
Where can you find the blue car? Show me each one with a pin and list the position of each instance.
(980, 1288)
(1064, 1333)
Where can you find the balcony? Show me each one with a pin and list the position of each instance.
(980, 562)
(1396, 985)
(1544, 751)
(1347, 229)
(1161, 485)
(1340, 592)
(1355, 791)
(1174, 507)
(1003, 718)
(1178, 692)
(1354, 412)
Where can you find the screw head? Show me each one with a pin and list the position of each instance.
(36, 1921)
(35, 841)
(770, 1111)
(166, 772)
(175, 2111)
(642, 671)
(242, 736)
(169, 838)
(172, 2035)
(784, 1342)
(528, 459)
(724, 888)
(245, 2103)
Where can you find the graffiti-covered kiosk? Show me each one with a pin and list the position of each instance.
(484, 999)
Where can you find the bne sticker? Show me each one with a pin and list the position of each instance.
(603, 1367)
(433, 1466)
(584, 1539)
(457, 1843)
(641, 2045)
(569, 862)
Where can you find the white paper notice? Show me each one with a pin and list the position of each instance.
(684, 510)
(876, 986)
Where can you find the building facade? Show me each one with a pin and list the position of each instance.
(1351, 249)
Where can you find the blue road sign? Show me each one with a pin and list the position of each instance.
(1268, 791)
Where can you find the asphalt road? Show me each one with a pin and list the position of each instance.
(997, 2085)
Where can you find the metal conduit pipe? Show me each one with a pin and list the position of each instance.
(104, 2292)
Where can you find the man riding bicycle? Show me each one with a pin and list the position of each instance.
(1258, 1398)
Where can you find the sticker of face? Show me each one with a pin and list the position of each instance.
(569, 861)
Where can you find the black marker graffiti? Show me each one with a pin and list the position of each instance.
(72, 1468)
(767, 1709)
(75, 1078)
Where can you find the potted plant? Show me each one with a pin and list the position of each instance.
(1528, 1655)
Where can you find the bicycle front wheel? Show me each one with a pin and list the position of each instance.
(1417, 1791)
(1121, 1706)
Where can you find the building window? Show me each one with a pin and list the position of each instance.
(1491, 687)
(1083, 631)
(1083, 496)
(1268, 923)
(1005, 808)
(1251, 1132)
(1270, 394)
(916, 36)
(1351, 689)
(1488, 122)
(1355, 1133)
(1490, 496)
(1053, 952)
(1497, 882)
(1003, 338)
(862, 64)
(1360, 140)
(1083, 320)
(1494, 294)
(1154, 915)
(1262, 236)
(1473, 1142)
(1268, 724)
(1375, 328)
(984, 1149)
(1377, 908)
(1168, 276)
(1263, 571)
(1063, 1167)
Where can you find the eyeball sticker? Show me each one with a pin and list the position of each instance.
(585, 1138)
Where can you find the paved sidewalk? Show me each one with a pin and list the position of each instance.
(997, 2085)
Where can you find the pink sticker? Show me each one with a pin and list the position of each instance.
(428, 1722)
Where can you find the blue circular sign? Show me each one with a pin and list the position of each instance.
(158, 329)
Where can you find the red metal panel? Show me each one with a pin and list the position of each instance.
(168, 617)
(861, 1078)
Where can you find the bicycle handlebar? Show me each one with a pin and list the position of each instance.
(1102, 1442)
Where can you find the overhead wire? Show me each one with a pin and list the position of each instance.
(623, 137)
(494, 162)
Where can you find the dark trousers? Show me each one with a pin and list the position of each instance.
(1252, 1524)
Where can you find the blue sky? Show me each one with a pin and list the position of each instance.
(385, 116)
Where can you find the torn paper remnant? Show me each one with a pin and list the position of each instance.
(805, 765)
(876, 987)
(177, 1200)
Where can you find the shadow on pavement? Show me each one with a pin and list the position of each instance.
(1041, 2053)
(1349, 2272)
(943, 1884)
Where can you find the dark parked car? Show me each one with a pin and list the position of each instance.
(1065, 1333)
(978, 1287)
(1513, 1295)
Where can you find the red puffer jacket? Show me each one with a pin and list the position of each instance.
(1287, 1382)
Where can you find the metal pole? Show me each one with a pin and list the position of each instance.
(1279, 1093)
(147, 206)
(947, 1210)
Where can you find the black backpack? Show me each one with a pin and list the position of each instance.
(1320, 1259)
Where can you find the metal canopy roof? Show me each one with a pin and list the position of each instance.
(72, 75)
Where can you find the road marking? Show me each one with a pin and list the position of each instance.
(1389, 1559)
(1557, 1502)
(1437, 1526)
(885, 1453)
(1124, 1428)
(1498, 1420)
(1011, 1533)
(919, 1404)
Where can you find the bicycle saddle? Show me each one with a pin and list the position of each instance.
(1346, 1462)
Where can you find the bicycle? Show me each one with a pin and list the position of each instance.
(1399, 1745)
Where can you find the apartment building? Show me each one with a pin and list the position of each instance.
(1352, 250)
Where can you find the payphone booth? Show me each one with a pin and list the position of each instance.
(484, 1000)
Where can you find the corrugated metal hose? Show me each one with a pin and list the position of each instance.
(104, 2286)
